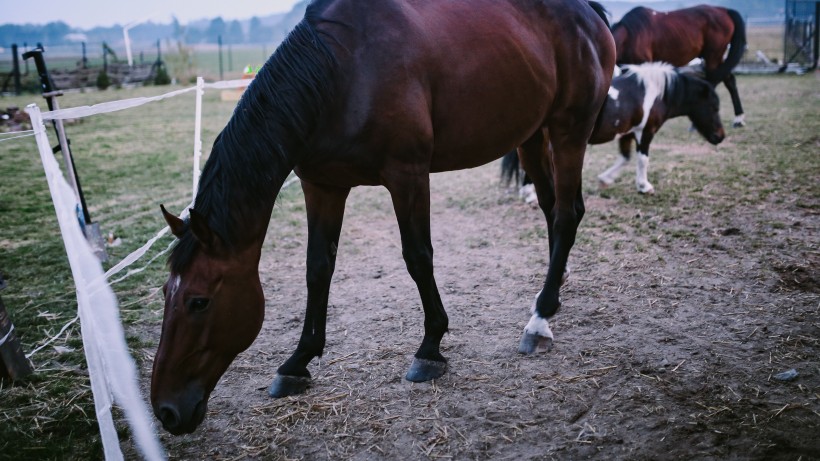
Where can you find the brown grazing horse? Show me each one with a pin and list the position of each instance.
(377, 93)
(678, 37)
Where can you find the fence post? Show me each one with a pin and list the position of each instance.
(219, 42)
(200, 90)
(13, 363)
(16, 69)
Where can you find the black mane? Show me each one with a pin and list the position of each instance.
(264, 138)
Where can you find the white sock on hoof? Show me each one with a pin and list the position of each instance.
(538, 326)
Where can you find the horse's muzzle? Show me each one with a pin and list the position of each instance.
(717, 137)
(181, 417)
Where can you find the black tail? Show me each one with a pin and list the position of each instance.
(738, 46)
(602, 12)
(510, 170)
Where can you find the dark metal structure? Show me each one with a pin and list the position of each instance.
(801, 41)
(50, 93)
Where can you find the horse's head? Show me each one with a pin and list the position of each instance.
(214, 309)
(704, 107)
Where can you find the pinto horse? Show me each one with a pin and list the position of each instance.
(678, 37)
(376, 93)
(639, 102)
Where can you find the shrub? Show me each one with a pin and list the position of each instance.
(103, 81)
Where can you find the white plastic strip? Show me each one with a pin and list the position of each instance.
(110, 106)
(113, 106)
(53, 338)
(137, 271)
(111, 369)
(134, 256)
(228, 84)
(6, 337)
(26, 135)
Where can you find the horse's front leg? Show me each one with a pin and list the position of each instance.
(411, 200)
(608, 177)
(642, 166)
(731, 85)
(325, 209)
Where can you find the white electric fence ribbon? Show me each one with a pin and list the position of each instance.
(53, 338)
(111, 369)
(6, 338)
(229, 84)
(113, 106)
(18, 135)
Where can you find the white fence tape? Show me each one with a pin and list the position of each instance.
(111, 369)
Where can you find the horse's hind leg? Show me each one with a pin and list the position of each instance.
(558, 167)
(731, 85)
(411, 200)
(537, 334)
(325, 209)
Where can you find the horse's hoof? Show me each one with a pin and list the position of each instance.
(422, 370)
(647, 190)
(532, 343)
(284, 386)
(739, 121)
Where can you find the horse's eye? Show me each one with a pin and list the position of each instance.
(197, 304)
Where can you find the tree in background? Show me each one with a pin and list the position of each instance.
(216, 29)
(235, 33)
(258, 32)
(182, 64)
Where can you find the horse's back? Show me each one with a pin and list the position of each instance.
(472, 79)
(676, 37)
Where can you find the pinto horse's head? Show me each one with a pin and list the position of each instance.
(704, 107)
(214, 309)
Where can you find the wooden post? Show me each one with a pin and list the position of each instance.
(13, 363)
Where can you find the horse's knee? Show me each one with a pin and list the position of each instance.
(419, 263)
(319, 272)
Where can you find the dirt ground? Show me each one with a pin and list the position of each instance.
(675, 321)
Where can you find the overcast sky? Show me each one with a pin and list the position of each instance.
(86, 14)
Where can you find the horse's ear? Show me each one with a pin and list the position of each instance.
(203, 233)
(177, 225)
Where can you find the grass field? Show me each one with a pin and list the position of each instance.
(132, 161)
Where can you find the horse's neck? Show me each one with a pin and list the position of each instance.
(676, 101)
(239, 190)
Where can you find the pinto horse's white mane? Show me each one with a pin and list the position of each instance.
(654, 76)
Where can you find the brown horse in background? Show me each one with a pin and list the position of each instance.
(377, 93)
(678, 37)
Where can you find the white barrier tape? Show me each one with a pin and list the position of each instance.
(150, 261)
(113, 106)
(228, 84)
(28, 134)
(137, 254)
(140, 252)
(111, 369)
(53, 338)
(5, 338)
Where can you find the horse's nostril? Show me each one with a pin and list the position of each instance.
(169, 417)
